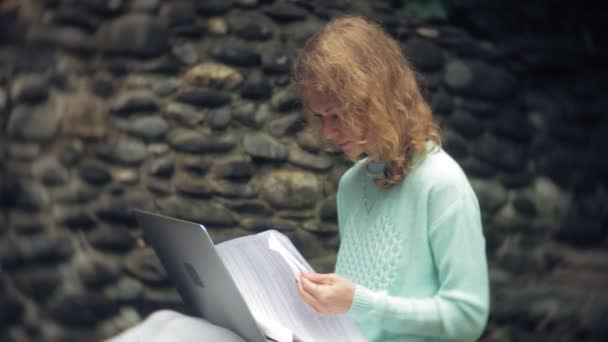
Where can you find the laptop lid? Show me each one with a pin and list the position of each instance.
(188, 254)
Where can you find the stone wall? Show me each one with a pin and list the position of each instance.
(184, 108)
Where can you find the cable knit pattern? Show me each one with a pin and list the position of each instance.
(416, 253)
(377, 248)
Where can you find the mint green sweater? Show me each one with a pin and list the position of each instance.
(415, 252)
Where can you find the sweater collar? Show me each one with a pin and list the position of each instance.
(375, 170)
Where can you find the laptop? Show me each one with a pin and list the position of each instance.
(188, 255)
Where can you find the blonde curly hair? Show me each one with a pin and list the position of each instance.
(356, 64)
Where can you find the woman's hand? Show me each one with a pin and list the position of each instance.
(327, 294)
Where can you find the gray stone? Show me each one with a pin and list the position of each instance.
(135, 101)
(3, 100)
(288, 124)
(247, 113)
(207, 213)
(424, 54)
(250, 26)
(256, 87)
(30, 195)
(90, 306)
(458, 75)
(38, 249)
(38, 284)
(95, 175)
(23, 150)
(477, 168)
(186, 53)
(234, 169)
(199, 142)
(220, 119)
(195, 188)
(73, 218)
(235, 53)
(455, 145)
(74, 192)
(125, 290)
(465, 124)
(38, 124)
(150, 6)
(328, 209)
(285, 101)
(212, 7)
(95, 271)
(291, 189)
(30, 89)
(204, 97)
(24, 222)
(138, 35)
(50, 172)
(167, 86)
(276, 59)
(162, 168)
(252, 207)
(111, 238)
(499, 152)
(262, 146)
(490, 193)
(307, 243)
(118, 211)
(262, 224)
(126, 152)
(144, 265)
(285, 12)
(213, 75)
(441, 103)
(309, 141)
(317, 162)
(184, 114)
(235, 190)
(300, 32)
(149, 128)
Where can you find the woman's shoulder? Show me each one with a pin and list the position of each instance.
(438, 170)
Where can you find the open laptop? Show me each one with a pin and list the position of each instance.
(205, 285)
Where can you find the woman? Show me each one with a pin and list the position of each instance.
(411, 264)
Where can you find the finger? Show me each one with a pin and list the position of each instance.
(318, 278)
(311, 288)
(308, 299)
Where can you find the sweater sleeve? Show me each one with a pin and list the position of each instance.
(459, 309)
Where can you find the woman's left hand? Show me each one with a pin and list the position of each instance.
(327, 294)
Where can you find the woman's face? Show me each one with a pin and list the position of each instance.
(332, 129)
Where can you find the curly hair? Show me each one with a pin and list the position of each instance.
(357, 65)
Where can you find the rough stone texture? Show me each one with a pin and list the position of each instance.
(186, 108)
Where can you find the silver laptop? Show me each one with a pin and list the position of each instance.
(191, 261)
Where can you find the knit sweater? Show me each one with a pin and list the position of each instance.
(416, 252)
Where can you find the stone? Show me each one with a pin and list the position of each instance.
(250, 26)
(185, 53)
(285, 12)
(204, 97)
(328, 209)
(204, 212)
(23, 150)
(256, 87)
(38, 284)
(441, 103)
(234, 169)
(217, 26)
(309, 141)
(12, 310)
(235, 53)
(300, 32)
(291, 189)
(458, 75)
(37, 124)
(125, 176)
(465, 124)
(285, 101)
(135, 101)
(261, 146)
(118, 212)
(145, 266)
(477, 168)
(162, 168)
(167, 86)
(105, 7)
(95, 175)
(29, 89)
(74, 192)
(72, 153)
(23, 222)
(95, 271)
(195, 188)
(220, 119)
(307, 243)
(179, 14)
(89, 306)
(73, 217)
(316, 162)
(109, 238)
(234, 190)
(49, 172)
(85, 117)
(149, 6)
(195, 165)
(184, 114)
(212, 7)
(455, 145)
(79, 17)
(262, 224)
(38, 249)
(276, 59)
(191, 141)
(504, 154)
(490, 194)
(247, 113)
(252, 207)
(149, 127)
(125, 290)
(139, 35)
(127, 152)
(424, 54)
(287, 125)
(213, 75)
(513, 124)
(30, 195)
